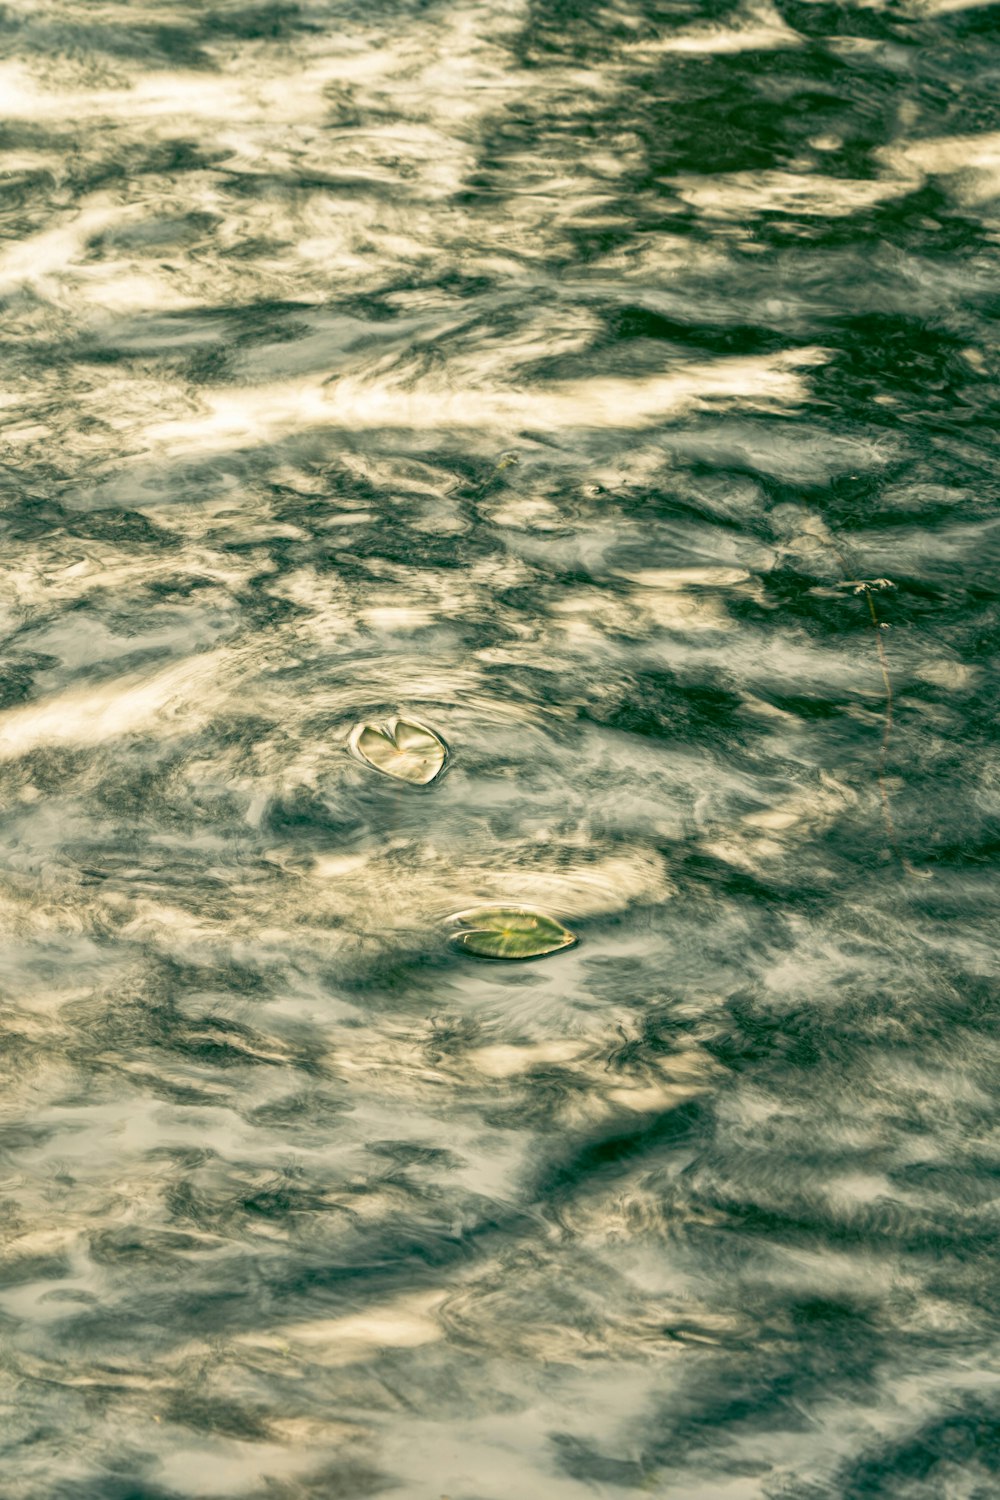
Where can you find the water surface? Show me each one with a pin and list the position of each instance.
(568, 377)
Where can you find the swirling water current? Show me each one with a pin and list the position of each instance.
(611, 387)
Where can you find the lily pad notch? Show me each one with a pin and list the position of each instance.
(509, 932)
(401, 748)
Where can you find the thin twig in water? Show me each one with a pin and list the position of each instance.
(868, 587)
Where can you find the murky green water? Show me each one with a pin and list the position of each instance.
(562, 376)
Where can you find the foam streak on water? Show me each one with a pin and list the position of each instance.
(565, 378)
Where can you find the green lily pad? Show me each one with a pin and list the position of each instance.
(509, 932)
(400, 748)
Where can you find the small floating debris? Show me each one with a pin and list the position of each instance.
(401, 748)
(509, 932)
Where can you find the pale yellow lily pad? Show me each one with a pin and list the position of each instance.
(401, 748)
(509, 932)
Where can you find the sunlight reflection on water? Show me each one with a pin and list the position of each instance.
(551, 376)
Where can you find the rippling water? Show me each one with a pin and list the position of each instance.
(611, 388)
